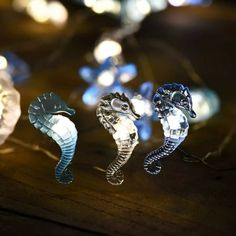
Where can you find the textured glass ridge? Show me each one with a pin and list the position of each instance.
(169, 101)
(116, 113)
(9, 107)
(43, 114)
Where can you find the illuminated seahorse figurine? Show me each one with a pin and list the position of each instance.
(168, 101)
(44, 115)
(116, 113)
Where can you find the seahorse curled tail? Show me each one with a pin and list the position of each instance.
(152, 162)
(114, 174)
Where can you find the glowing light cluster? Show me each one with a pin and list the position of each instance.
(179, 3)
(129, 11)
(43, 11)
(108, 78)
(102, 6)
(134, 11)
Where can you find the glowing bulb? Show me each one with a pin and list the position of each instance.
(143, 6)
(107, 48)
(115, 7)
(142, 106)
(99, 7)
(3, 63)
(132, 12)
(177, 3)
(38, 10)
(57, 13)
(121, 132)
(158, 5)
(205, 103)
(138, 106)
(89, 3)
(106, 78)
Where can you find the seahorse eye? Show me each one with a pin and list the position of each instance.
(184, 102)
(125, 107)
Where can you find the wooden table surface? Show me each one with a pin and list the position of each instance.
(185, 198)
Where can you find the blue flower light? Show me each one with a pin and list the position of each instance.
(143, 106)
(107, 78)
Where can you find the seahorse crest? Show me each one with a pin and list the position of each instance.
(48, 103)
(174, 95)
(53, 104)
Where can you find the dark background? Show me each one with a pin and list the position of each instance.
(187, 198)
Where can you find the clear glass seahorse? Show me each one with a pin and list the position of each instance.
(116, 113)
(168, 101)
(43, 114)
(9, 107)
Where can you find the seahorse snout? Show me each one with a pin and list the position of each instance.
(70, 111)
(192, 113)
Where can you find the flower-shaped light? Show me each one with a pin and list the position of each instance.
(142, 101)
(105, 79)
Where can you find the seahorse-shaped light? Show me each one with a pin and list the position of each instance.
(9, 107)
(168, 101)
(43, 114)
(116, 113)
